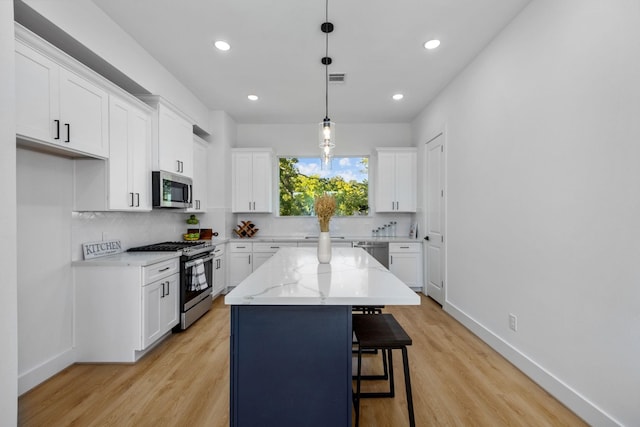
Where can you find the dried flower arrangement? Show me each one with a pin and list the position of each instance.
(325, 207)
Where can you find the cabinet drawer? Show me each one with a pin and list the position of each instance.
(240, 246)
(157, 271)
(405, 247)
(271, 246)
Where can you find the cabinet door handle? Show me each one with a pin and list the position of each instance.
(168, 288)
(249, 259)
(391, 259)
(254, 206)
(177, 165)
(57, 129)
(131, 204)
(137, 200)
(249, 205)
(68, 126)
(162, 290)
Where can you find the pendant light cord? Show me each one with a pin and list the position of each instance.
(326, 65)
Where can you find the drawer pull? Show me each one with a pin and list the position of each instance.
(163, 269)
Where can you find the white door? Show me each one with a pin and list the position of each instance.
(84, 115)
(435, 218)
(241, 182)
(405, 178)
(261, 182)
(36, 95)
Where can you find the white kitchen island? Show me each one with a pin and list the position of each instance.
(291, 335)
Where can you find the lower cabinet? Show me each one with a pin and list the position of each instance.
(262, 251)
(123, 310)
(159, 308)
(240, 261)
(246, 257)
(219, 270)
(405, 262)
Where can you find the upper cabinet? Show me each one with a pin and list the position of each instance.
(57, 107)
(200, 177)
(251, 178)
(123, 182)
(396, 180)
(172, 145)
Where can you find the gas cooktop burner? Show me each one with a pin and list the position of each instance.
(169, 246)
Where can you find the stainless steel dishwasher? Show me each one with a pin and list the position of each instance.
(379, 250)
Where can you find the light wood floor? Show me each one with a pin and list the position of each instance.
(457, 381)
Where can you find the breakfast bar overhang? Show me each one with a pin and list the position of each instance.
(291, 336)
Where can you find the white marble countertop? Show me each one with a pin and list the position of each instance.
(293, 276)
(266, 238)
(140, 259)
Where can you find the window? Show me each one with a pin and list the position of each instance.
(302, 179)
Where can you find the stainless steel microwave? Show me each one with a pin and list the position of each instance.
(170, 190)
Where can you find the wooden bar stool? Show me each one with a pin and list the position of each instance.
(381, 332)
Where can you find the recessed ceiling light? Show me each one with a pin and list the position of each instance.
(253, 97)
(398, 96)
(432, 44)
(222, 45)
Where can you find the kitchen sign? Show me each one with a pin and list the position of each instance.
(102, 248)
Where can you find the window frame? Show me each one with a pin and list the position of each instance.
(311, 156)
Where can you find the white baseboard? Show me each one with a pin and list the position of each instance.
(554, 386)
(33, 377)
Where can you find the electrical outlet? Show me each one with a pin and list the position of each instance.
(513, 322)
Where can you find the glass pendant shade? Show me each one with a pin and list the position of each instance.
(327, 142)
(325, 159)
(327, 134)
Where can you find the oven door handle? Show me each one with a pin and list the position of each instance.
(192, 263)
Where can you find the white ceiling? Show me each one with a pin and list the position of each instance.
(276, 47)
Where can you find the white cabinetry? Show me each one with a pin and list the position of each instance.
(262, 251)
(240, 261)
(245, 258)
(251, 180)
(122, 182)
(405, 261)
(200, 175)
(396, 180)
(219, 270)
(159, 308)
(123, 310)
(172, 146)
(60, 108)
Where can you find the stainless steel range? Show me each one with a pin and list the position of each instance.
(196, 277)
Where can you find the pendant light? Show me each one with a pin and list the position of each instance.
(327, 127)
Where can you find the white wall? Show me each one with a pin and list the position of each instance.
(87, 23)
(544, 199)
(45, 288)
(45, 294)
(222, 138)
(352, 139)
(302, 139)
(8, 258)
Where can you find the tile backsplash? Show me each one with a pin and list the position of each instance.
(131, 228)
(141, 228)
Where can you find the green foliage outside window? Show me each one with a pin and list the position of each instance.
(301, 182)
